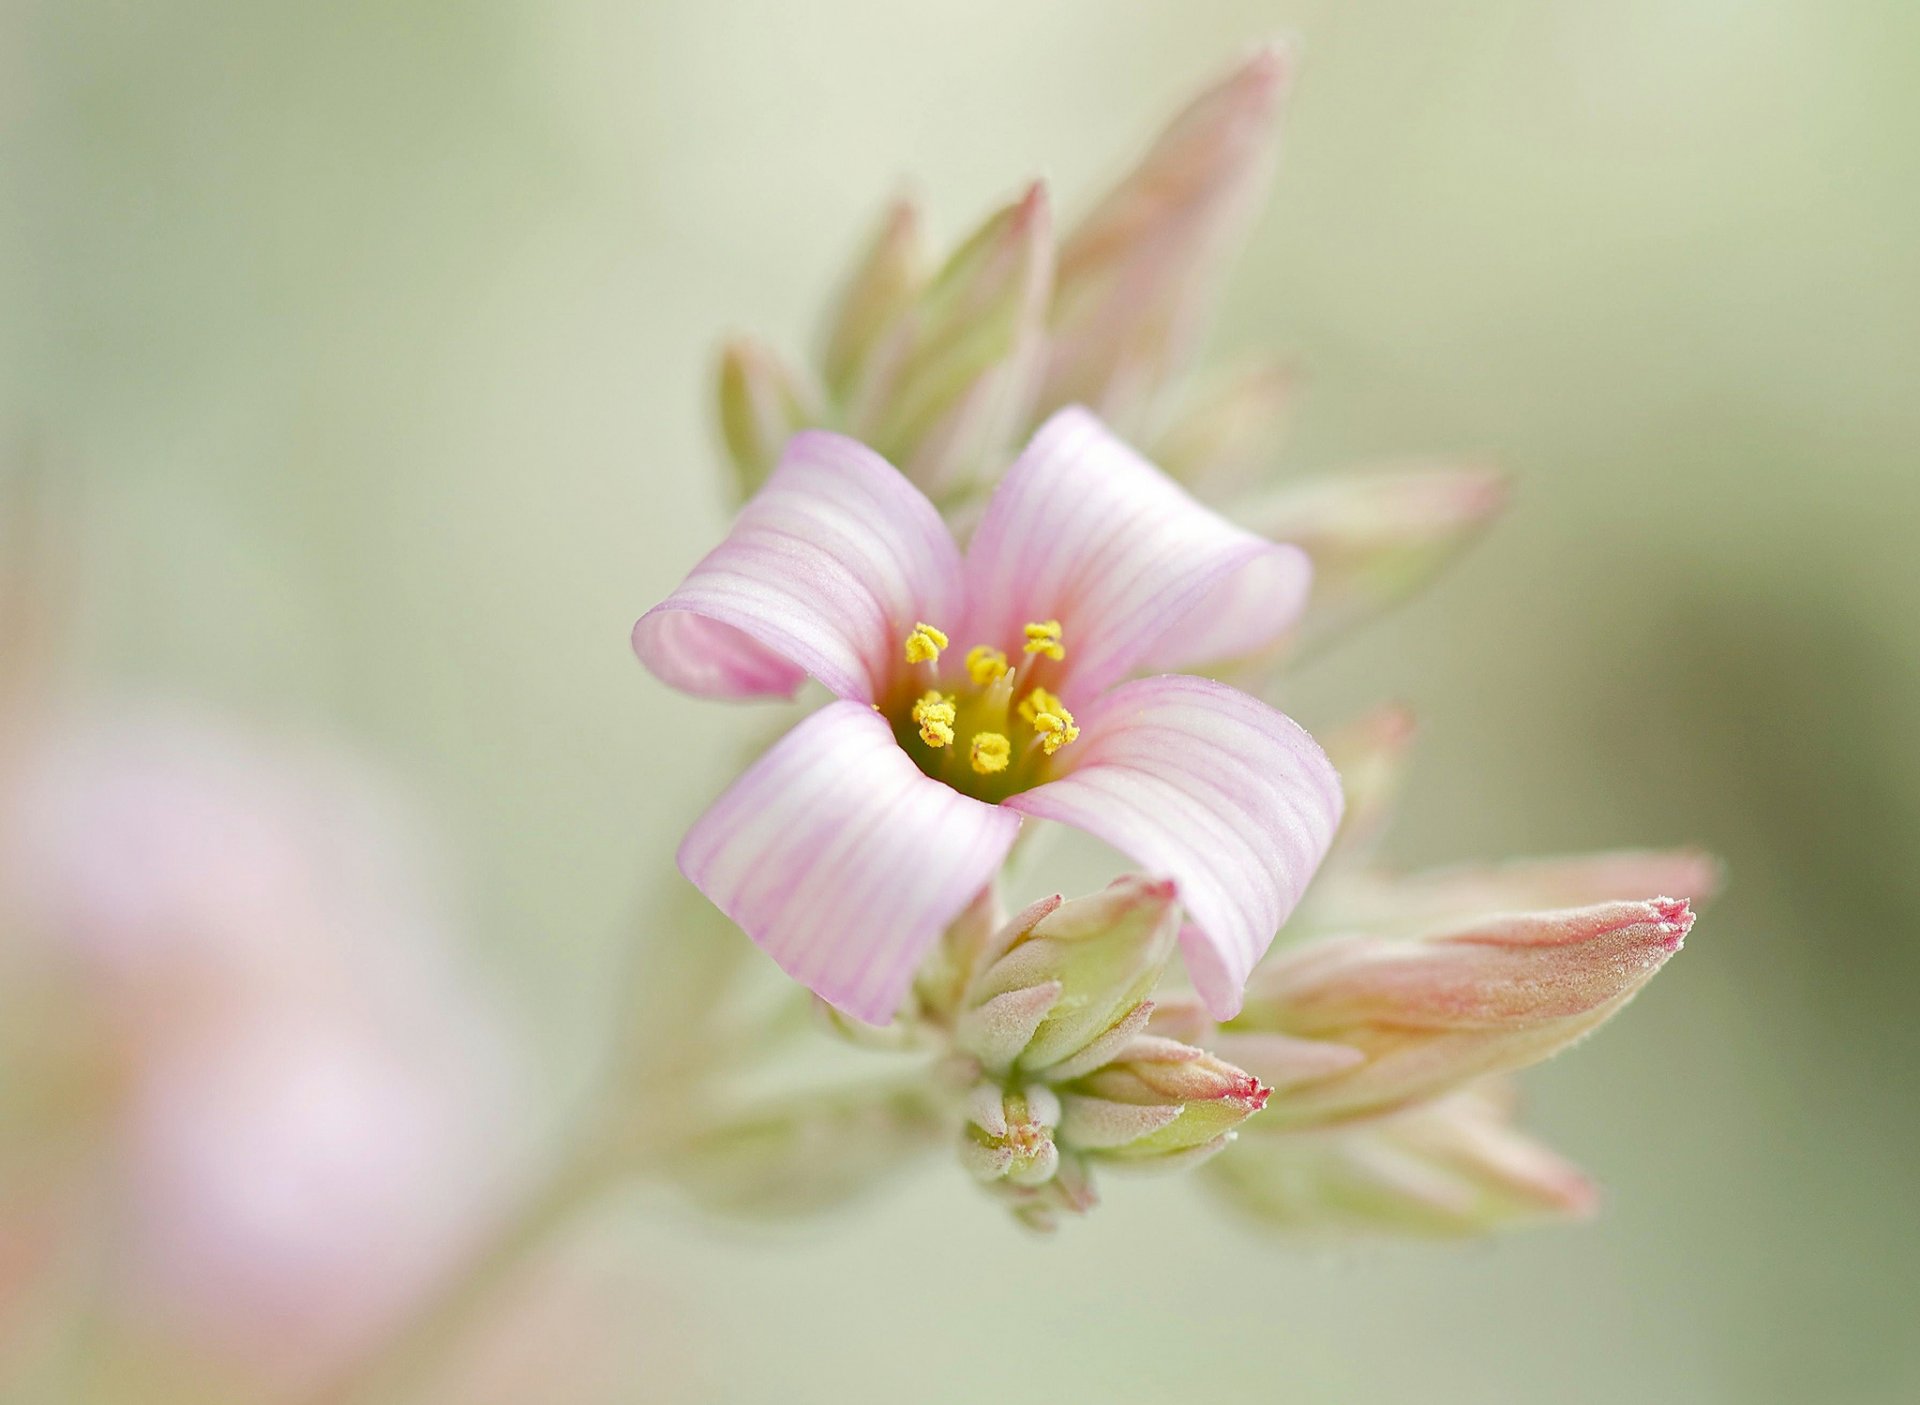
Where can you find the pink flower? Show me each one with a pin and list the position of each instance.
(846, 849)
(303, 1115)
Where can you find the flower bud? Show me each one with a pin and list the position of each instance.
(1138, 275)
(1069, 1191)
(1009, 1134)
(1229, 433)
(952, 379)
(1080, 970)
(882, 286)
(1448, 1169)
(1375, 537)
(809, 1152)
(1429, 1015)
(763, 402)
(1159, 1102)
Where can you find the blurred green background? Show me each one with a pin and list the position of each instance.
(377, 337)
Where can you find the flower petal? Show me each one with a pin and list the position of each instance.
(824, 572)
(1214, 789)
(1084, 530)
(842, 861)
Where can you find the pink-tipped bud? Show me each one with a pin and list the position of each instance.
(1449, 1169)
(954, 376)
(1431, 1014)
(1376, 537)
(763, 403)
(1159, 1102)
(1138, 276)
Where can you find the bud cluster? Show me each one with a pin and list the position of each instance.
(1047, 1019)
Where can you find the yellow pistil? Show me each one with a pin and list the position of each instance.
(925, 643)
(985, 664)
(1044, 638)
(1039, 701)
(934, 715)
(1056, 729)
(990, 753)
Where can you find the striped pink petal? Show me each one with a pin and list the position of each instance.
(824, 572)
(842, 861)
(1214, 789)
(1084, 530)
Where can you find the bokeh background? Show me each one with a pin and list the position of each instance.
(374, 341)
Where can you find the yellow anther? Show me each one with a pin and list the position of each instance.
(990, 753)
(1044, 638)
(985, 664)
(934, 715)
(925, 643)
(1056, 730)
(1039, 701)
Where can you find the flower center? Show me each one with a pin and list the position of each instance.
(988, 729)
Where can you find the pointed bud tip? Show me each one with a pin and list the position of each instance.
(1034, 212)
(1394, 724)
(1676, 919)
(1579, 1197)
(1484, 492)
(1158, 892)
(1268, 71)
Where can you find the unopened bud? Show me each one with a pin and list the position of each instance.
(953, 378)
(763, 403)
(1009, 1134)
(1450, 1169)
(1139, 274)
(1086, 964)
(1040, 1207)
(1160, 1101)
(1431, 1014)
(889, 275)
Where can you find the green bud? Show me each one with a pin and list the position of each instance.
(1159, 1102)
(763, 403)
(1098, 956)
(955, 376)
(1009, 1134)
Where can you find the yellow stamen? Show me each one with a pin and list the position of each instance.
(934, 715)
(990, 753)
(985, 664)
(925, 643)
(1044, 638)
(1056, 730)
(1039, 701)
